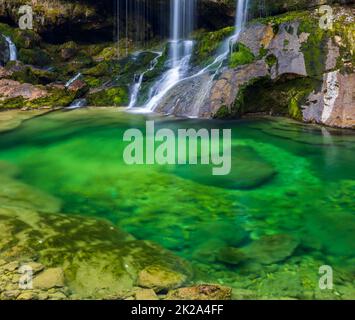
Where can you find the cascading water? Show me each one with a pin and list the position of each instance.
(138, 81)
(12, 49)
(182, 20)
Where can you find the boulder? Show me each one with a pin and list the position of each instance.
(49, 278)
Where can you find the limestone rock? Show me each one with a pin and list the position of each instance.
(286, 47)
(201, 292)
(49, 278)
(159, 279)
(14, 89)
(334, 105)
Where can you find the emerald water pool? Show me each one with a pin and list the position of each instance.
(290, 212)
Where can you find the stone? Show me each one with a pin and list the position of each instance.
(49, 278)
(201, 292)
(286, 47)
(334, 105)
(57, 296)
(13, 89)
(12, 266)
(27, 295)
(10, 295)
(257, 36)
(35, 266)
(77, 86)
(159, 279)
(4, 73)
(146, 294)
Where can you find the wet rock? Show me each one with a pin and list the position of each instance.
(4, 73)
(10, 295)
(49, 278)
(225, 90)
(34, 266)
(146, 294)
(78, 86)
(159, 279)
(12, 266)
(201, 292)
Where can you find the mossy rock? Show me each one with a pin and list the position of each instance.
(37, 57)
(241, 56)
(207, 43)
(26, 39)
(34, 76)
(116, 96)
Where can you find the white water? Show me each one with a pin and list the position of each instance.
(72, 80)
(12, 49)
(182, 22)
(137, 85)
(78, 103)
(180, 54)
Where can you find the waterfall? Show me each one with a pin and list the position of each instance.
(138, 81)
(182, 22)
(72, 80)
(78, 103)
(12, 49)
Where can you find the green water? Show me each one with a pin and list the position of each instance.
(298, 183)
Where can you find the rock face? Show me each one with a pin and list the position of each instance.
(334, 105)
(286, 47)
(225, 90)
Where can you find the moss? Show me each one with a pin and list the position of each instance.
(271, 60)
(315, 48)
(101, 69)
(207, 44)
(223, 113)
(36, 57)
(12, 103)
(116, 96)
(241, 56)
(281, 97)
(33, 76)
(56, 98)
(93, 82)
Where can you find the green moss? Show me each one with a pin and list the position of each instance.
(101, 69)
(33, 76)
(315, 48)
(36, 57)
(207, 44)
(13, 103)
(294, 109)
(116, 96)
(241, 56)
(271, 60)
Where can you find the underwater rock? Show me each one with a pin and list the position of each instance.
(201, 292)
(160, 279)
(49, 278)
(230, 255)
(17, 194)
(249, 171)
(271, 249)
(8, 169)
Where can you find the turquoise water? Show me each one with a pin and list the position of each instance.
(288, 206)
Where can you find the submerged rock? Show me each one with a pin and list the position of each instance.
(49, 278)
(201, 292)
(271, 249)
(248, 171)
